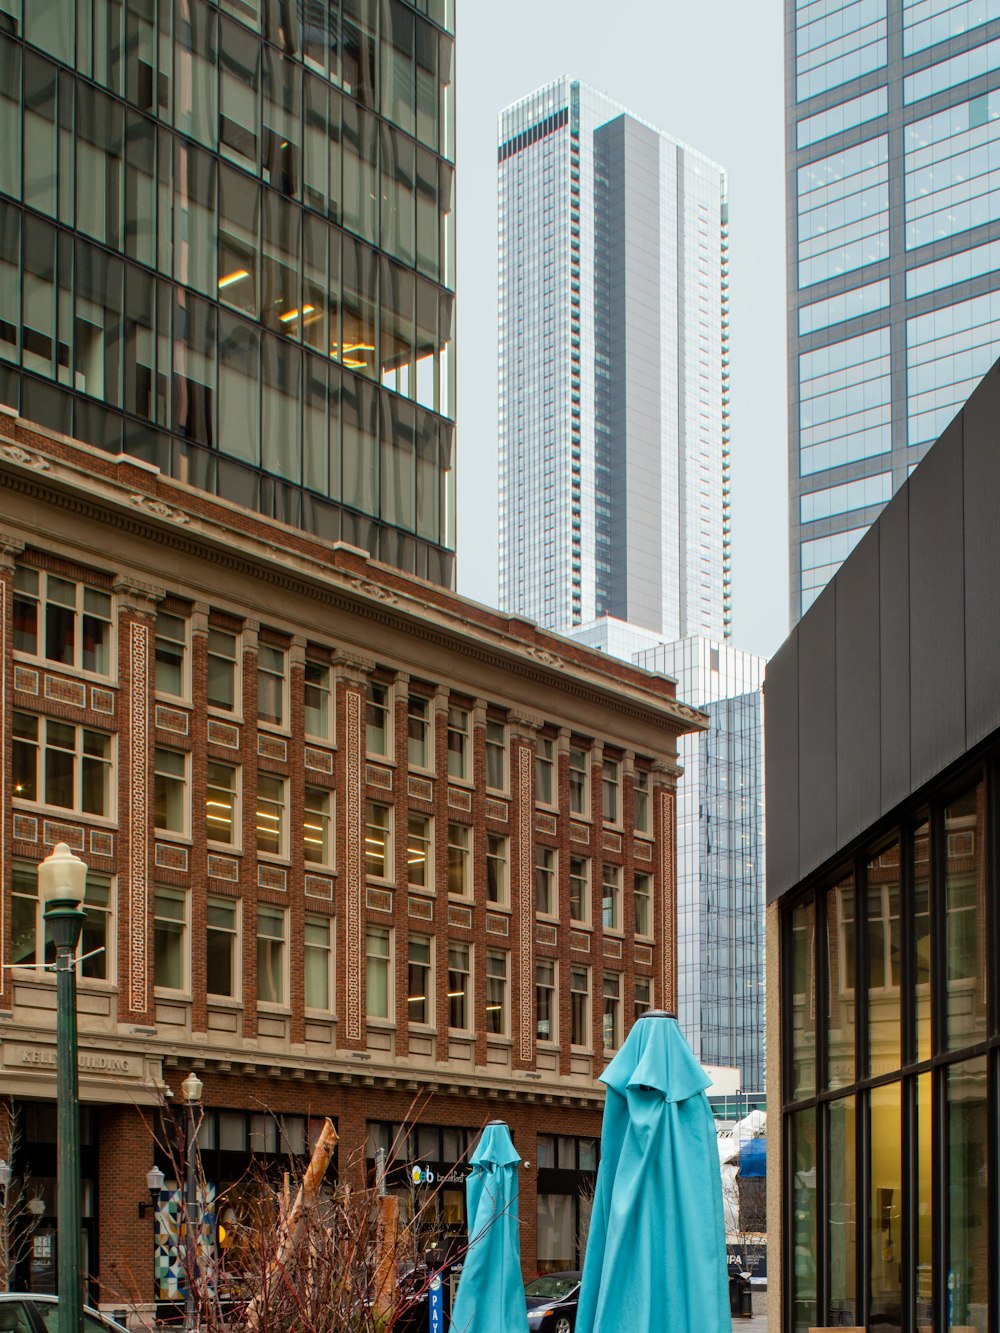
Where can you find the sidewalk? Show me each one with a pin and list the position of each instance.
(756, 1324)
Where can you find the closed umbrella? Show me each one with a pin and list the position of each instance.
(656, 1252)
(490, 1297)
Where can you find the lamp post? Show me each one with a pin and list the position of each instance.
(191, 1089)
(5, 1174)
(62, 884)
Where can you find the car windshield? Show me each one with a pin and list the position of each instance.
(552, 1287)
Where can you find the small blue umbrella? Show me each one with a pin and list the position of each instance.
(490, 1297)
(656, 1252)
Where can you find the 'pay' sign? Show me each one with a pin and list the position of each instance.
(435, 1308)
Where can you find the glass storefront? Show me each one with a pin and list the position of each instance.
(891, 1062)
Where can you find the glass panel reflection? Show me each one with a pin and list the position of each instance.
(921, 999)
(804, 1203)
(965, 921)
(967, 1190)
(803, 1072)
(885, 1210)
(841, 999)
(842, 1216)
(924, 1205)
(884, 961)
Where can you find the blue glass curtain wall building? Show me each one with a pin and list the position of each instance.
(893, 144)
(227, 246)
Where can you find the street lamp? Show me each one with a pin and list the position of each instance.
(5, 1174)
(154, 1183)
(191, 1089)
(62, 885)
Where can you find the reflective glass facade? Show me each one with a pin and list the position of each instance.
(614, 370)
(720, 855)
(226, 247)
(893, 134)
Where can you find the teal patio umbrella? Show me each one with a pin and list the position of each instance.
(656, 1252)
(490, 1297)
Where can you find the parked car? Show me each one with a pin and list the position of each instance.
(551, 1301)
(24, 1312)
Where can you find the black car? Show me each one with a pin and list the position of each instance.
(24, 1312)
(551, 1301)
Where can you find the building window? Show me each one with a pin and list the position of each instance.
(546, 1009)
(377, 722)
(170, 935)
(270, 955)
(221, 821)
(316, 690)
(611, 772)
(496, 755)
(611, 897)
(612, 1018)
(170, 790)
(546, 898)
(496, 992)
(419, 861)
(420, 997)
(496, 869)
(459, 986)
(317, 963)
(316, 827)
(579, 994)
(221, 947)
(378, 851)
(31, 942)
(59, 764)
(62, 621)
(458, 743)
(171, 655)
(459, 876)
(643, 896)
(418, 731)
(271, 798)
(579, 888)
(545, 769)
(579, 781)
(378, 972)
(643, 996)
(222, 670)
(271, 684)
(640, 801)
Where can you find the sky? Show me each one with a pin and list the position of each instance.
(710, 74)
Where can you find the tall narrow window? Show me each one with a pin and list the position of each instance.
(221, 947)
(545, 768)
(546, 900)
(459, 986)
(496, 992)
(496, 755)
(316, 826)
(579, 991)
(222, 670)
(418, 852)
(377, 728)
(98, 937)
(271, 814)
(643, 895)
(611, 897)
(170, 809)
(458, 743)
(270, 955)
(496, 869)
(221, 823)
(610, 785)
(316, 688)
(579, 781)
(640, 801)
(965, 922)
(170, 953)
(643, 996)
(459, 873)
(317, 963)
(378, 972)
(579, 888)
(171, 655)
(612, 1011)
(378, 853)
(420, 999)
(546, 1010)
(418, 731)
(271, 684)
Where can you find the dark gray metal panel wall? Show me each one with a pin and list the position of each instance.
(937, 607)
(818, 724)
(781, 763)
(858, 689)
(893, 528)
(982, 561)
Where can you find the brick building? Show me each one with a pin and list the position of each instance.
(358, 847)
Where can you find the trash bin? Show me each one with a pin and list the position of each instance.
(746, 1301)
(740, 1300)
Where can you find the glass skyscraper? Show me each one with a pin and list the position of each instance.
(893, 131)
(226, 247)
(720, 854)
(614, 370)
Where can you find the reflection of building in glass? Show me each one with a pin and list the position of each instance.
(894, 262)
(720, 855)
(614, 370)
(226, 247)
(882, 748)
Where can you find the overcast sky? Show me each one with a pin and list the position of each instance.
(711, 75)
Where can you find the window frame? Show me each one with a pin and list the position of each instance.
(588, 893)
(428, 998)
(183, 896)
(552, 1036)
(279, 914)
(386, 961)
(235, 666)
(581, 1011)
(497, 747)
(466, 861)
(328, 947)
(40, 747)
(546, 772)
(42, 601)
(385, 708)
(425, 723)
(582, 810)
(461, 750)
(184, 779)
(278, 681)
(611, 791)
(234, 934)
(551, 872)
(325, 688)
(236, 807)
(467, 993)
(426, 838)
(326, 816)
(387, 872)
(497, 987)
(184, 642)
(498, 860)
(642, 798)
(616, 1012)
(281, 805)
(647, 896)
(611, 893)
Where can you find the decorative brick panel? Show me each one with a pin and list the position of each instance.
(102, 842)
(546, 824)
(612, 947)
(318, 886)
(459, 799)
(643, 851)
(612, 842)
(377, 776)
(579, 942)
(379, 900)
(643, 954)
(420, 789)
(547, 935)
(221, 733)
(579, 833)
(272, 877)
(420, 908)
(71, 834)
(102, 701)
(498, 810)
(62, 691)
(224, 867)
(460, 916)
(168, 856)
(497, 925)
(25, 680)
(272, 747)
(25, 828)
(320, 761)
(172, 719)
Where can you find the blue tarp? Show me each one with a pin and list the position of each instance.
(753, 1158)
